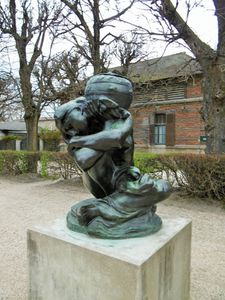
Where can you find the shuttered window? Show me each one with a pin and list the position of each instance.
(170, 129)
(162, 92)
(170, 92)
(162, 129)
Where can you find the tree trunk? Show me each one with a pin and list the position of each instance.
(32, 113)
(32, 132)
(214, 107)
(96, 62)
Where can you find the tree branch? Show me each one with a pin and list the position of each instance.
(119, 14)
(80, 16)
(12, 9)
(200, 49)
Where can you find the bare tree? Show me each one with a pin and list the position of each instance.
(129, 49)
(59, 78)
(10, 104)
(88, 22)
(29, 26)
(176, 28)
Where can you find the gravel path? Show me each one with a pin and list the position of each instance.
(24, 203)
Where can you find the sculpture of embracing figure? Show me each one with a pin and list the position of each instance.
(99, 133)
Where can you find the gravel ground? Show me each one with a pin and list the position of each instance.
(26, 201)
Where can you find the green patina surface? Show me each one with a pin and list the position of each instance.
(98, 129)
(137, 227)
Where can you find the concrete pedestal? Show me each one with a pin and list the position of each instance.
(64, 265)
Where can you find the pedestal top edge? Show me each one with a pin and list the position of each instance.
(135, 251)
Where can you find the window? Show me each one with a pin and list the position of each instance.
(160, 129)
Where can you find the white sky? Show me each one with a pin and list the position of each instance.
(204, 22)
(201, 20)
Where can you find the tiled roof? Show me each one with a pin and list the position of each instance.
(176, 65)
(13, 126)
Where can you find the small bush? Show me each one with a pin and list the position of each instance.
(10, 138)
(146, 162)
(52, 164)
(51, 139)
(59, 164)
(197, 175)
(47, 134)
(17, 162)
(44, 160)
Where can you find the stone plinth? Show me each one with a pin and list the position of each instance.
(72, 266)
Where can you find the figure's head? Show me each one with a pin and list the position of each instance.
(110, 86)
(71, 117)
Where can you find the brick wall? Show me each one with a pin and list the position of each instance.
(188, 123)
(194, 88)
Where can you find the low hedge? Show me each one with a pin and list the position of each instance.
(18, 162)
(47, 164)
(147, 162)
(195, 174)
(58, 164)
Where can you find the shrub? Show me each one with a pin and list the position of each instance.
(8, 142)
(52, 164)
(17, 162)
(44, 160)
(195, 174)
(47, 134)
(147, 162)
(59, 164)
(198, 175)
(51, 138)
(10, 138)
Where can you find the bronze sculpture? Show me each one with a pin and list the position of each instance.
(99, 133)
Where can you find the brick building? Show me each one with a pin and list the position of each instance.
(167, 104)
